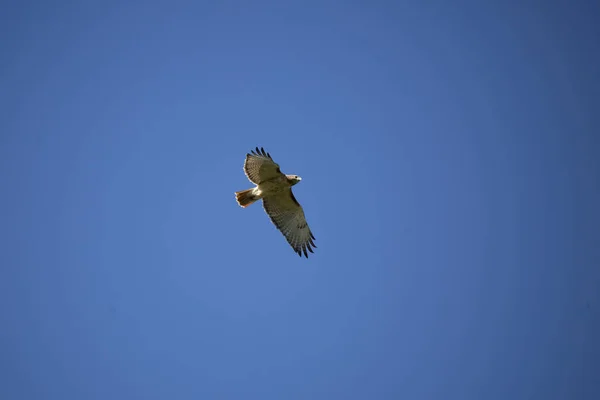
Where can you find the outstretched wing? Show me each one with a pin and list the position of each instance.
(287, 215)
(260, 167)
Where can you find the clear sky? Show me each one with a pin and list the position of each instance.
(449, 152)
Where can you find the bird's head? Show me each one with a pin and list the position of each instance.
(293, 179)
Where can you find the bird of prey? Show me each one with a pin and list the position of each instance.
(275, 190)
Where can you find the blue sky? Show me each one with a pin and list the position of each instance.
(449, 156)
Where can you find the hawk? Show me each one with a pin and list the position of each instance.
(275, 190)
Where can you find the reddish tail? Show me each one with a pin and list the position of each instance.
(245, 197)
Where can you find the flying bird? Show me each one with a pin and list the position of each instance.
(275, 190)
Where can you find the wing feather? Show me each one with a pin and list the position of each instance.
(260, 167)
(288, 216)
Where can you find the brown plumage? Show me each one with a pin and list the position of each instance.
(275, 190)
(245, 197)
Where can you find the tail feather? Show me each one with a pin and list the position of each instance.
(245, 197)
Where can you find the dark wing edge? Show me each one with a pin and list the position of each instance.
(260, 152)
(298, 235)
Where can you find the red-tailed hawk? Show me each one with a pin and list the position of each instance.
(275, 190)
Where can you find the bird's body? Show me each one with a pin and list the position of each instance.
(275, 190)
(273, 186)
